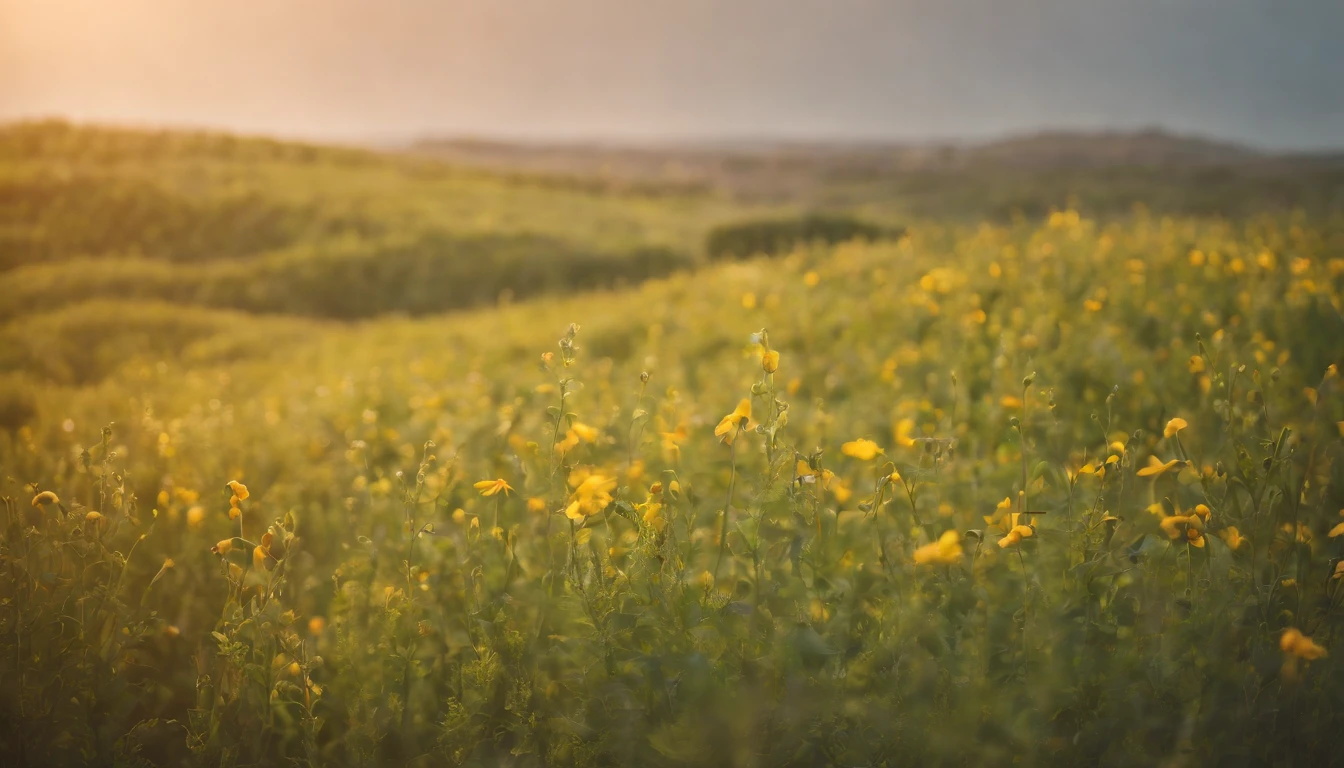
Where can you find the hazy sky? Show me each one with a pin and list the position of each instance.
(1264, 71)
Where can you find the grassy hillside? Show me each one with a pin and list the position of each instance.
(1055, 492)
(270, 227)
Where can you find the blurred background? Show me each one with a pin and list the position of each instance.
(346, 159)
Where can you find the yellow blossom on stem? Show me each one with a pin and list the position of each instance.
(44, 498)
(1174, 426)
(591, 495)
(1233, 537)
(261, 554)
(730, 424)
(238, 489)
(1157, 467)
(491, 487)
(1016, 535)
(770, 361)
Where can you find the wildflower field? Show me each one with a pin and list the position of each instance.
(1054, 489)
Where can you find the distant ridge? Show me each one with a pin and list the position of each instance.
(1045, 149)
(1152, 147)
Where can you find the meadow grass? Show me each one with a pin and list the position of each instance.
(1059, 491)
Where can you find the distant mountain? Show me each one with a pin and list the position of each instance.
(840, 173)
(1082, 150)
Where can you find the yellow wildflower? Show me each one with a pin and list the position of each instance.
(672, 442)
(1293, 642)
(1016, 535)
(730, 424)
(1174, 426)
(1338, 530)
(653, 515)
(1233, 537)
(770, 361)
(261, 554)
(947, 549)
(238, 489)
(592, 494)
(568, 442)
(44, 498)
(585, 433)
(861, 449)
(1157, 467)
(491, 487)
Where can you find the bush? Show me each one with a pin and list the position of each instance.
(773, 237)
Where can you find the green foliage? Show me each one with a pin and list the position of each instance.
(261, 226)
(778, 236)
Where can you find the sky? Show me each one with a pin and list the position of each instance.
(1264, 72)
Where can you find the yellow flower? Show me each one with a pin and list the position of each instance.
(92, 517)
(1016, 535)
(1174, 426)
(570, 440)
(1338, 530)
(1293, 642)
(316, 625)
(902, 432)
(1203, 512)
(770, 361)
(491, 487)
(672, 442)
(586, 433)
(238, 489)
(1011, 402)
(1233, 537)
(1003, 516)
(234, 509)
(261, 554)
(861, 449)
(947, 549)
(44, 498)
(653, 515)
(536, 504)
(592, 494)
(1157, 467)
(730, 424)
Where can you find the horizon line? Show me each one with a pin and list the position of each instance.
(414, 137)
